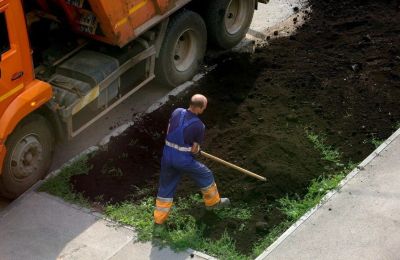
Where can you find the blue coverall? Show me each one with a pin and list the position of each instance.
(176, 162)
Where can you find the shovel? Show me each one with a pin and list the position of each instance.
(230, 165)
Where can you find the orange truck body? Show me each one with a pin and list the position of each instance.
(20, 93)
(115, 22)
(120, 21)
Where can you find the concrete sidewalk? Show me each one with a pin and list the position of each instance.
(40, 226)
(360, 221)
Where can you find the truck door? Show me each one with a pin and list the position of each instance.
(11, 67)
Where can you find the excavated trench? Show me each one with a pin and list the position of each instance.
(339, 76)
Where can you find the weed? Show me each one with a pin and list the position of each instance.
(234, 212)
(224, 248)
(109, 169)
(116, 172)
(139, 216)
(133, 142)
(140, 191)
(295, 208)
(270, 238)
(99, 198)
(242, 227)
(376, 142)
(328, 152)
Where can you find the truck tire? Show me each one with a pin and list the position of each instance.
(182, 50)
(29, 154)
(228, 21)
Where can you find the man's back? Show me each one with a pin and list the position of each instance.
(194, 133)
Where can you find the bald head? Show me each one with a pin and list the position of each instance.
(198, 103)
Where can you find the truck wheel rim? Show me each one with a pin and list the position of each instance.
(236, 15)
(26, 157)
(185, 51)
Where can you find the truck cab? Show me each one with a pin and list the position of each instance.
(20, 94)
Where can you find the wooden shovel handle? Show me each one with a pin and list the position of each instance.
(231, 165)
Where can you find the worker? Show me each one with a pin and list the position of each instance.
(184, 135)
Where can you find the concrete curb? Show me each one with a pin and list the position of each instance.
(327, 197)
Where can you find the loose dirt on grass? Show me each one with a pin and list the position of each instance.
(339, 76)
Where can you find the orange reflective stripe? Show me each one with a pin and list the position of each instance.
(163, 209)
(11, 92)
(165, 199)
(211, 195)
(131, 11)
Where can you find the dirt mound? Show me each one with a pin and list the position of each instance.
(339, 75)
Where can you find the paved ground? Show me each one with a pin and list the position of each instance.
(361, 221)
(39, 226)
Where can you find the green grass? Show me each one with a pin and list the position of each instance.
(181, 230)
(376, 142)
(272, 236)
(224, 248)
(328, 153)
(240, 213)
(134, 215)
(60, 185)
(294, 208)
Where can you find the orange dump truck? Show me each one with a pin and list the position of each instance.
(66, 63)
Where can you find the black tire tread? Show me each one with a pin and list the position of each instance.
(164, 73)
(214, 19)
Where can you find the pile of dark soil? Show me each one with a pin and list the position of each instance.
(339, 76)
